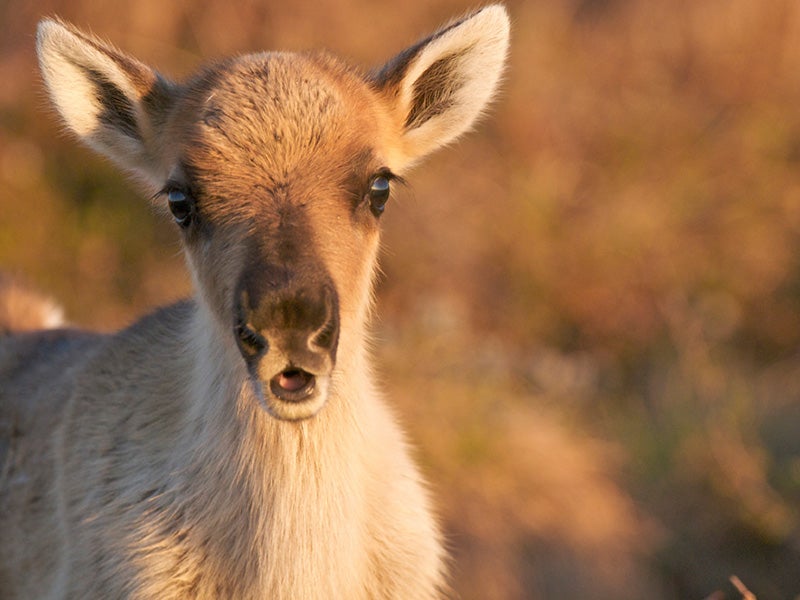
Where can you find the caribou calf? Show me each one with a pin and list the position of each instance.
(234, 445)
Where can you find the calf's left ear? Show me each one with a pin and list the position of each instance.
(436, 89)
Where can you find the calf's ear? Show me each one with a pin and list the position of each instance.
(111, 101)
(436, 89)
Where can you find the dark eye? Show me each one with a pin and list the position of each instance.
(181, 206)
(378, 194)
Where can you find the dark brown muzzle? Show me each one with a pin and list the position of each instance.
(287, 329)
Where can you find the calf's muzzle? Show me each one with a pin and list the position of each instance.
(287, 330)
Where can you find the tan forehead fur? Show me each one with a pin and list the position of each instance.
(271, 119)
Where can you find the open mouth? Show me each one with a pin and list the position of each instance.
(293, 394)
(293, 385)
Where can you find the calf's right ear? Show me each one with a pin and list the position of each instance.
(111, 101)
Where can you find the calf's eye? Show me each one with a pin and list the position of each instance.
(181, 206)
(379, 194)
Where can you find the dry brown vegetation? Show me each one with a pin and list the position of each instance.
(590, 315)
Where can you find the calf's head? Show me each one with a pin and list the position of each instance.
(277, 168)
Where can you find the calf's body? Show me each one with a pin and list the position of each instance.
(234, 445)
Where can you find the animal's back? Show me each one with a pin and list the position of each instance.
(35, 383)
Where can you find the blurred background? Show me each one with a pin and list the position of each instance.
(589, 318)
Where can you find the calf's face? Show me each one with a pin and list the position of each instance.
(277, 168)
(278, 180)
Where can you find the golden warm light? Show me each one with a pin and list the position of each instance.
(588, 317)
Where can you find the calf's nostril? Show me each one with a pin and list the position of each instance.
(251, 342)
(326, 337)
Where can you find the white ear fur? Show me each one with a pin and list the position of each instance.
(98, 93)
(440, 86)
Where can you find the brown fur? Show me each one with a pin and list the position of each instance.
(160, 461)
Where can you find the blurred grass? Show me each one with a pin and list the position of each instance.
(590, 314)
